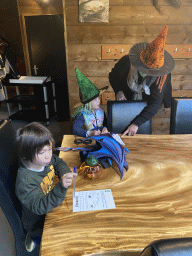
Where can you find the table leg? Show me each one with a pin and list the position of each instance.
(46, 104)
(54, 97)
(6, 97)
(18, 93)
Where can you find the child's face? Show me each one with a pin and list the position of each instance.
(95, 103)
(43, 158)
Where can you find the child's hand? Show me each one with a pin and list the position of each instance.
(94, 132)
(104, 130)
(67, 178)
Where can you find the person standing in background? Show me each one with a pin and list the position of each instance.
(144, 74)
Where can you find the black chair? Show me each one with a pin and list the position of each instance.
(181, 116)
(169, 247)
(9, 203)
(121, 113)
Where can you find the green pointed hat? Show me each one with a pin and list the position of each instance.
(92, 161)
(87, 90)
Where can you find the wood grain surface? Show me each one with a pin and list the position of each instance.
(153, 200)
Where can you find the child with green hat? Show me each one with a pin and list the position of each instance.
(90, 119)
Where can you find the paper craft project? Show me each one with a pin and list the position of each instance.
(93, 200)
(117, 138)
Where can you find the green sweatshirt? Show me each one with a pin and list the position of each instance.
(34, 190)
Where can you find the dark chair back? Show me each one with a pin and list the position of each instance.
(169, 247)
(9, 203)
(181, 116)
(121, 113)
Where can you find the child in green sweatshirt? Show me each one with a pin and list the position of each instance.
(35, 179)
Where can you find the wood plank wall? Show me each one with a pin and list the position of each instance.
(130, 22)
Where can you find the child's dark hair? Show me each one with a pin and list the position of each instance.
(30, 141)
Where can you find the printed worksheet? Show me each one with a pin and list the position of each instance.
(93, 200)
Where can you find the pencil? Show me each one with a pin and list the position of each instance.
(74, 171)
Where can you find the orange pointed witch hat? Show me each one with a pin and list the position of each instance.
(153, 55)
(151, 58)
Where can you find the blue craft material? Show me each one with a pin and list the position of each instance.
(110, 148)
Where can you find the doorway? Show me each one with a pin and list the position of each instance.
(47, 56)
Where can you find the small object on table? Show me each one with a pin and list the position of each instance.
(93, 200)
(91, 169)
(74, 171)
(117, 138)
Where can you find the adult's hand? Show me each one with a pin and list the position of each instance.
(131, 130)
(120, 96)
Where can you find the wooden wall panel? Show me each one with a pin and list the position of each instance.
(117, 51)
(179, 82)
(98, 81)
(37, 10)
(160, 125)
(144, 2)
(35, 6)
(131, 2)
(128, 34)
(147, 15)
(93, 52)
(91, 68)
(84, 52)
(182, 93)
(102, 68)
(182, 67)
(137, 15)
(130, 22)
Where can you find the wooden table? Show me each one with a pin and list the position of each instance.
(153, 200)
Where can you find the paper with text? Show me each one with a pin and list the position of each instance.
(93, 200)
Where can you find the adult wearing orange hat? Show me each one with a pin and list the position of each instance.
(144, 74)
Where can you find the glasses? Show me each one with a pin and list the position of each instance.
(84, 141)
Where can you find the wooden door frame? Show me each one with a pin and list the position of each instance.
(35, 12)
(25, 45)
